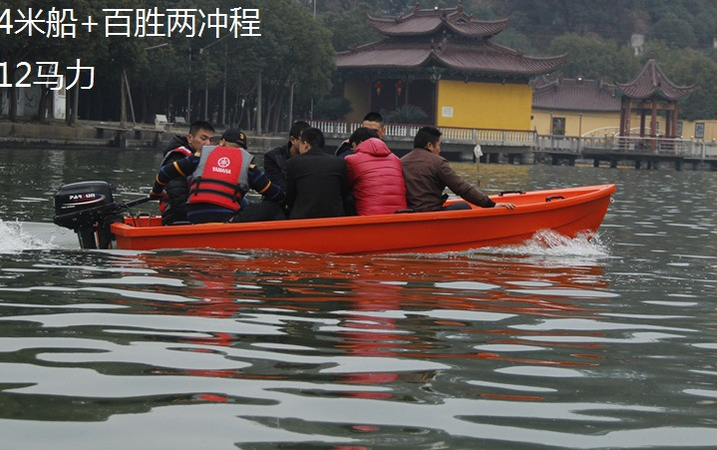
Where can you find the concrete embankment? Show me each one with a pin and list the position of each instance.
(106, 134)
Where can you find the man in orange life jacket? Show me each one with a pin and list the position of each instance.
(219, 179)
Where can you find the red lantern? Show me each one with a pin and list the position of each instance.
(399, 87)
(377, 85)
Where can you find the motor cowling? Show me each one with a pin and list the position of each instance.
(86, 207)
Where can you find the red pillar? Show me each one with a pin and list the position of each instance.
(653, 127)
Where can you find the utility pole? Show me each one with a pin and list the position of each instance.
(311, 110)
(258, 103)
(189, 89)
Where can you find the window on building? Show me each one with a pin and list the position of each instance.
(558, 126)
(679, 128)
(700, 130)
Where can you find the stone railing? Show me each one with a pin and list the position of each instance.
(628, 144)
(450, 134)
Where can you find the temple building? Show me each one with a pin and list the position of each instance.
(442, 61)
(645, 106)
(574, 107)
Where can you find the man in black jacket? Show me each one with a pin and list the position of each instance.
(373, 121)
(315, 181)
(275, 160)
(174, 207)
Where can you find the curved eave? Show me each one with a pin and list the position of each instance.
(652, 82)
(468, 58)
(380, 57)
(497, 60)
(427, 25)
(478, 29)
(676, 93)
(522, 67)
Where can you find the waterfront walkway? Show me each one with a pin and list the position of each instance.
(527, 147)
(509, 146)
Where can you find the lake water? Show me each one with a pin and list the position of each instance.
(574, 344)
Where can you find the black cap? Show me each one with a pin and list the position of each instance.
(236, 136)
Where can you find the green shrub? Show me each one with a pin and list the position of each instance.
(332, 108)
(405, 114)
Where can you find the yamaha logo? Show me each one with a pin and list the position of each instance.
(224, 162)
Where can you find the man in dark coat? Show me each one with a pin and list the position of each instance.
(315, 181)
(173, 207)
(275, 160)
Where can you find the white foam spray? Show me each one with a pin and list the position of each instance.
(19, 236)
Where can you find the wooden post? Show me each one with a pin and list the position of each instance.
(653, 125)
(258, 103)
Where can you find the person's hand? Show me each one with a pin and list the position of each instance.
(158, 196)
(505, 205)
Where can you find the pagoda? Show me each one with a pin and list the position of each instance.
(442, 60)
(651, 92)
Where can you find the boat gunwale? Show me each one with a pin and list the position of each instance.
(585, 194)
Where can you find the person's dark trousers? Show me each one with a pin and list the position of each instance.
(259, 212)
(456, 206)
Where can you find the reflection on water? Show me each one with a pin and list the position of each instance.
(461, 349)
(608, 343)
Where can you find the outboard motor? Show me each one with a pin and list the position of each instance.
(87, 208)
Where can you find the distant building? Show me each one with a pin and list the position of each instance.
(442, 60)
(645, 106)
(637, 41)
(567, 107)
(28, 103)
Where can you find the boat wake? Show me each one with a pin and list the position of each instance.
(19, 236)
(550, 243)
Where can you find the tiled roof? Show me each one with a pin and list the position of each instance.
(575, 95)
(478, 57)
(651, 81)
(429, 21)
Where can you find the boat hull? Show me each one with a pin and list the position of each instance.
(565, 211)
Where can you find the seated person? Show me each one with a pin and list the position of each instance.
(427, 175)
(315, 181)
(275, 160)
(174, 206)
(220, 178)
(372, 120)
(374, 175)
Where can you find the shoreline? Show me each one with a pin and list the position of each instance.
(110, 135)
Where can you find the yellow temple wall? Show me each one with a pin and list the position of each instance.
(690, 130)
(483, 105)
(577, 124)
(358, 93)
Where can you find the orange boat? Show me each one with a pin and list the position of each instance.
(569, 211)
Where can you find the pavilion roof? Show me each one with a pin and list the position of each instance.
(475, 57)
(575, 95)
(430, 21)
(650, 82)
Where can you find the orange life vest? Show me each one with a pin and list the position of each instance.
(221, 178)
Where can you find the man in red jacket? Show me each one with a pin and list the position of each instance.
(374, 175)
